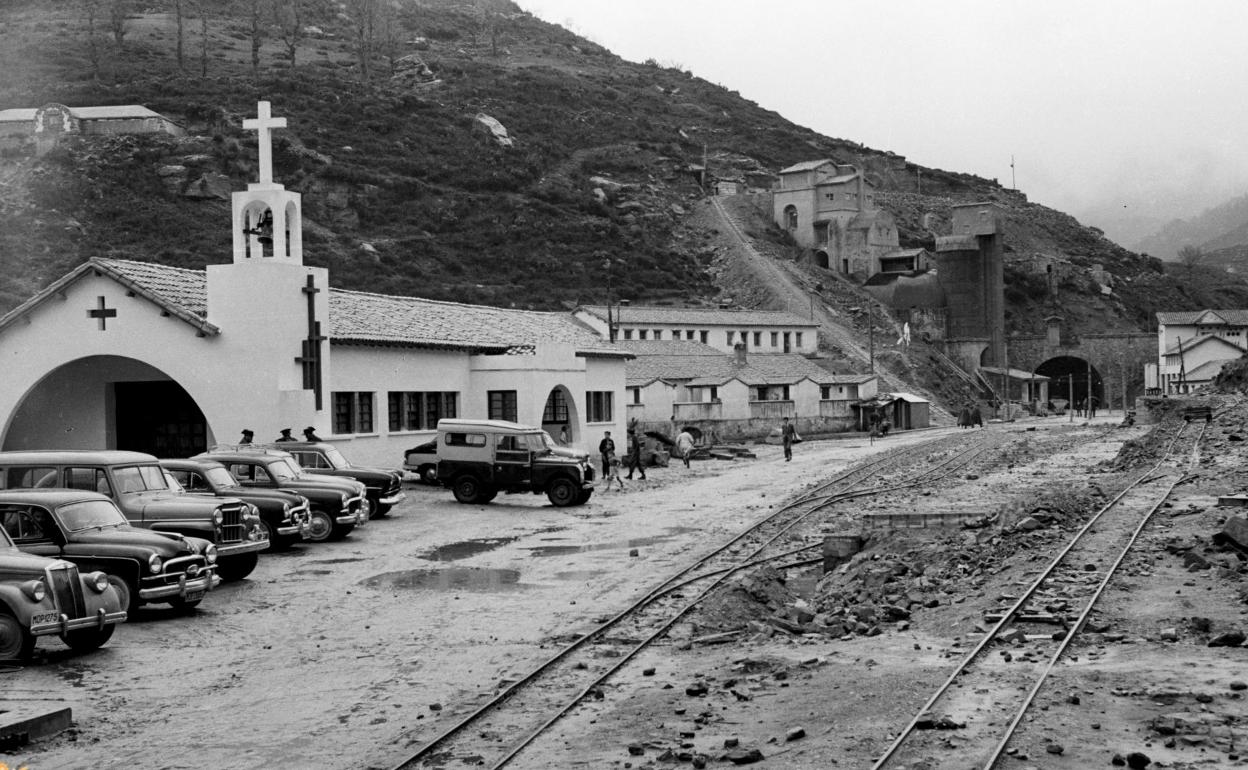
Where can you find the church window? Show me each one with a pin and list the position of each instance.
(598, 405)
(419, 410)
(556, 408)
(790, 217)
(503, 405)
(353, 412)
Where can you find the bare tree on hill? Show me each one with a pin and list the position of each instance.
(201, 8)
(92, 10)
(1191, 256)
(288, 18)
(364, 15)
(119, 21)
(255, 12)
(177, 16)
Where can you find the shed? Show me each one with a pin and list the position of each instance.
(905, 411)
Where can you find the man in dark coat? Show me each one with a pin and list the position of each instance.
(787, 432)
(634, 454)
(247, 436)
(309, 434)
(606, 448)
(286, 435)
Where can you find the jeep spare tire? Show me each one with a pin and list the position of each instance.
(562, 493)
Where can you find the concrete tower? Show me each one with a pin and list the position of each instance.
(970, 263)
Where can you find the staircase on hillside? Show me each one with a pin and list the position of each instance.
(794, 290)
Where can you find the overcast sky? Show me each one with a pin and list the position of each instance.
(1110, 108)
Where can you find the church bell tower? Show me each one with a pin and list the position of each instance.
(273, 311)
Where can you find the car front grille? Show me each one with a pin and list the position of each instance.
(66, 590)
(232, 530)
(191, 566)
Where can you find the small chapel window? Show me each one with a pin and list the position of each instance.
(353, 412)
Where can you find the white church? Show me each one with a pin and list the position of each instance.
(120, 354)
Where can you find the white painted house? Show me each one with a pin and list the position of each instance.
(762, 331)
(134, 355)
(1192, 346)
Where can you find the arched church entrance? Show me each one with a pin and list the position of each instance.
(109, 402)
(1072, 379)
(560, 412)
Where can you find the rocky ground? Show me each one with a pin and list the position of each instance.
(356, 653)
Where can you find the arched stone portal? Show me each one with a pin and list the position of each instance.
(560, 411)
(109, 402)
(821, 259)
(1070, 378)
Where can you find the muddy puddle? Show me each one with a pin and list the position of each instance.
(465, 549)
(448, 579)
(636, 542)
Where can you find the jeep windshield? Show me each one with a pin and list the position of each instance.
(140, 478)
(90, 513)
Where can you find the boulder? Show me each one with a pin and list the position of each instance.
(493, 128)
(1234, 532)
(209, 186)
(1232, 638)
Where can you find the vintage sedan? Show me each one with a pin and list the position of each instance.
(87, 529)
(284, 515)
(136, 483)
(43, 597)
(385, 486)
(338, 505)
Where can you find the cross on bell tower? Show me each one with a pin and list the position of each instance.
(268, 222)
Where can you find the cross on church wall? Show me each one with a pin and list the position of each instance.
(264, 124)
(102, 313)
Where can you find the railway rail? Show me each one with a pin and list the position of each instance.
(499, 730)
(999, 691)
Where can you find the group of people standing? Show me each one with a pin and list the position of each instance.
(970, 416)
(611, 463)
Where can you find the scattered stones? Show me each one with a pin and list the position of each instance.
(1138, 760)
(1232, 638)
(1055, 748)
(696, 690)
(745, 756)
(1238, 685)
(732, 743)
(435, 706)
(1169, 634)
(648, 671)
(636, 749)
(795, 733)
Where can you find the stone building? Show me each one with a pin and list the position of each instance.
(762, 331)
(43, 127)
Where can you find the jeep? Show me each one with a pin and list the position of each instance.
(477, 459)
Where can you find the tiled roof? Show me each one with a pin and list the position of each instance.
(699, 316)
(1191, 317)
(806, 165)
(358, 317)
(759, 369)
(361, 317)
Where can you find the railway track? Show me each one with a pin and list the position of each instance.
(497, 731)
(987, 695)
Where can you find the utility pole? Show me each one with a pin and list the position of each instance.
(704, 169)
(871, 334)
(1070, 396)
(1013, 181)
(1088, 400)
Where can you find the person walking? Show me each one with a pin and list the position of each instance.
(787, 432)
(613, 471)
(634, 456)
(684, 445)
(606, 447)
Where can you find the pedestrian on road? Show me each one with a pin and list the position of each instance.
(613, 471)
(787, 432)
(606, 447)
(684, 446)
(634, 456)
(977, 418)
(964, 417)
(247, 436)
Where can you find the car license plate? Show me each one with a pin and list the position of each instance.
(40, 618)
(195, 595)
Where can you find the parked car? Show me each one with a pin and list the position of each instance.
(337, 505)
(136, 483)
(41, 597)
(385, 487)
(423, 461)
(284, 515)
(477, 459)
(86, 528)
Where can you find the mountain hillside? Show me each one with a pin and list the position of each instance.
(407, 190)
(1217, 228)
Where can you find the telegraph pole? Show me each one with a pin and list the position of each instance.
(1013, 181)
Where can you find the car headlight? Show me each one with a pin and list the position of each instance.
(217, 517)
(155, 564)
(210, 554)
(34, 590)
(98, 582)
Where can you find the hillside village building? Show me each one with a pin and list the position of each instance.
(830, 208)
(739, 394)
(762, 331)
(1192, 346)
(46, 125)
(134, 355)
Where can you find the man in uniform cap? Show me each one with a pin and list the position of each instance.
(309, 434)
(247, 435)
(286, 435)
